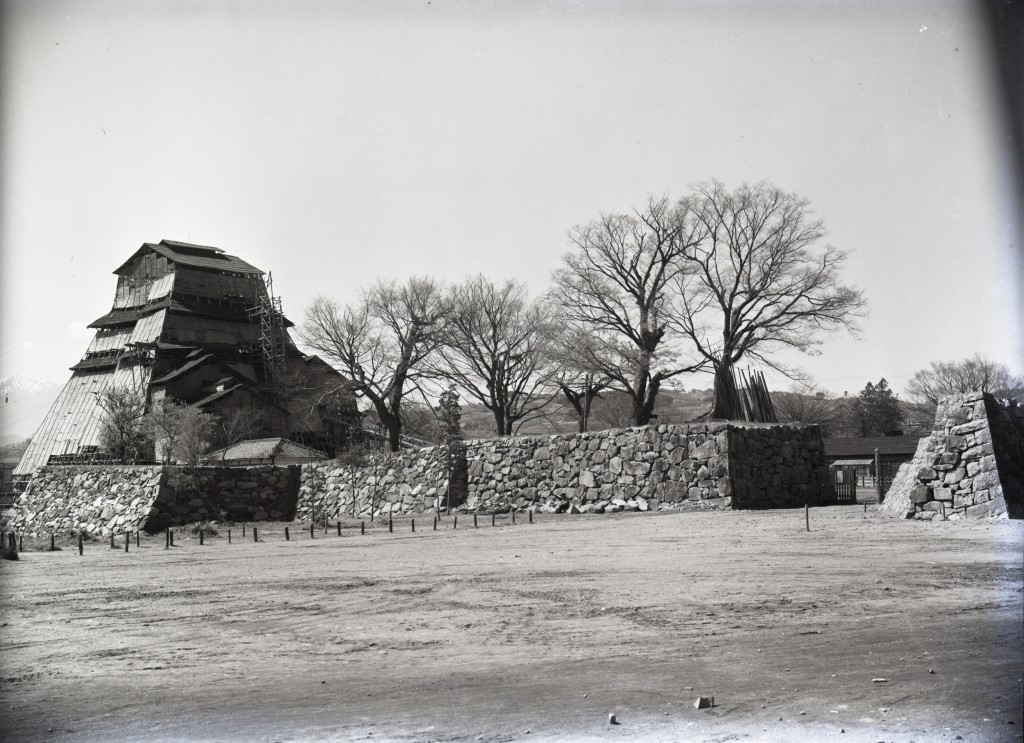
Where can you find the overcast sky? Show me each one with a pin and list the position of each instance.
(336, 143)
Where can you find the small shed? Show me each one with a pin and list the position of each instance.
(263, 451)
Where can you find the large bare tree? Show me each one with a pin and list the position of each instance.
(381, 343)
(494, 349)
(945, 378)
(759, 280)
(613, 287)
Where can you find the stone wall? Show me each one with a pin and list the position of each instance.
(102, 500)
(708, 465)
(969, 466)
(261, 493)
(410, 481)
(93, 500)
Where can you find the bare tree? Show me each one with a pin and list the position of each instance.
(240, 424)
(759, 280)
(181, 431)
(381, 343)
(614, 286)
(944, 378)
(580, 386)
(123, 432)
(806, 404)
(494, 349)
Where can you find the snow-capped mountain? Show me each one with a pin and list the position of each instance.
(23, 405)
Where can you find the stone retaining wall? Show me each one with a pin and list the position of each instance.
(705, 465)
(102, 500)
(708, 465)
(410, 481)
(971, 465)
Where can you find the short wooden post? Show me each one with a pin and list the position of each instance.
(287, 538)
(326, 524)
(81, 545)
(112, 541)
(414, 524)
(807, 516)
(21, 543)
(243, 529)
(391, 525)
(53, 545)
(362, 527)
(255, 535)
(136, 538)
(311, 535)
(172, 537)
(339, 526)
(474, 521)
(201, 536)
(513, 517)
(455, 522)
(878, 476)
(127, 536)
(865, 508)
(435, 523)
(167, 538)
(229, 536)
(492, 519)
(530, 514)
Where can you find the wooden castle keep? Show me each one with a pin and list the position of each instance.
(200, 326)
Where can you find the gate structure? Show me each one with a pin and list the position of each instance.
(837, 486)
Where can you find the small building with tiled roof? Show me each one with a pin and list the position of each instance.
(263, 451)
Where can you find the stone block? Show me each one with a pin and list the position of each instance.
(920, 494)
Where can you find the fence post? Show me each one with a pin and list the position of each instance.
(492, 519)
(81, 545)
(229, 536)
(362, 527)
(53, 546)
(878, 476)
(172, 537)
(201, 535)
(255, 535)
(287, 538)
(513, 517)
(112, 541)
(339, 526)
(474, 520)
(414, 524)
(530, 513)
(167, 537)
(311, 535)
(127, 536)
(391, 524)
(435, 523)
(137, 536)
(807, 516)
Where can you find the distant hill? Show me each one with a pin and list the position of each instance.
(23, 405)
(11, 453)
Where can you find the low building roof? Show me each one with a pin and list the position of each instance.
(264, 449)
(864, 446)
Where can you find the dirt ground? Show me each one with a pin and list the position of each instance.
(526, 633)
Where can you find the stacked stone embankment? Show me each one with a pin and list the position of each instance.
(91, 500)
(704, 465)
(709, 465)
(102, 500)
(409, 481)
(970, 466)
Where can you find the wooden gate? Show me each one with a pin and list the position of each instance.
(886, 474)
(837, 486)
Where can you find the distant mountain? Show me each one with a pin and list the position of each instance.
(23, 405)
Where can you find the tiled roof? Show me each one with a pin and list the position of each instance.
(264, 449)
(197, 256)
(857, 447)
